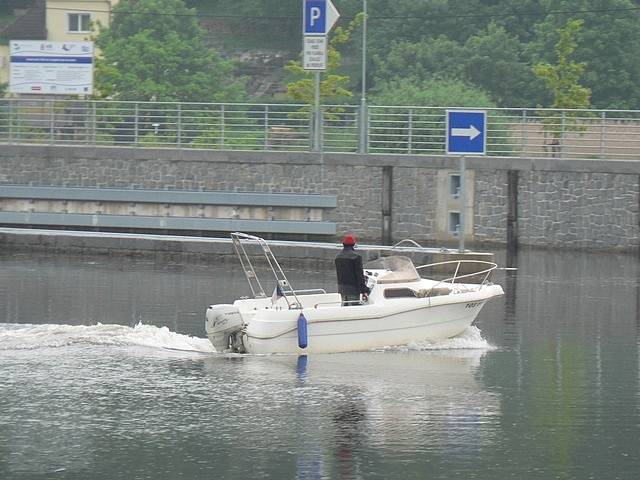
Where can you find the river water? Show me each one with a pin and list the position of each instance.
(105, 374)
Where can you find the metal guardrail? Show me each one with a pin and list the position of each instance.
(175, 197)
(166, 210)
(580, 134)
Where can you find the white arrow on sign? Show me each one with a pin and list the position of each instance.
(471, 132)
(332, 16)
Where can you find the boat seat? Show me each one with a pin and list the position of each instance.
(434, 292)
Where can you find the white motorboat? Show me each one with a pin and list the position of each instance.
(402, 307)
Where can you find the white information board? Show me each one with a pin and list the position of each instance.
(63, 68)
(315, 53)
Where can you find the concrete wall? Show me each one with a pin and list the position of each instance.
(556, 203)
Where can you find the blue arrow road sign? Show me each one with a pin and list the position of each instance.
(319, 17)
(466, 132)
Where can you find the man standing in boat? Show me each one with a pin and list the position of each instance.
(351, 282)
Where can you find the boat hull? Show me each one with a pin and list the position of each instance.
(362, 327)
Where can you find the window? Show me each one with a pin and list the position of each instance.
(79, 22)
(454, 223)
(454, 186)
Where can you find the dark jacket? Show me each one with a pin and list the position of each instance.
(350, 274)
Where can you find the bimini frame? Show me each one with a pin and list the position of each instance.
(239, 242)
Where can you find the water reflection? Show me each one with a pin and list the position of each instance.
(400, 403)
(558, 398)
(573, 317)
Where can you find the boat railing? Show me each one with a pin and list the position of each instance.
(406, 240)
(490, 267)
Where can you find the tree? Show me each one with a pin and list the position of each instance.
(485, 36)
(250, 7)
(333, 86)
(428, 58)
(430, 93)
(497, 62)
(492, 60)
(609, 42)
(151, 55)
(562, 79)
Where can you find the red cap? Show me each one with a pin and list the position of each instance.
(349, 240)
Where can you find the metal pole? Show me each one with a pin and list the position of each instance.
(51, 122)
(222, 132)
(362, 144)
(603, 127)
(524, 138)
(364, 52)
(410, 139)
(463, 201)
(179, 133)
(266, 127)
(561, 145)
(136, 126)
(93, 123)
(318, 116)
(11, 119)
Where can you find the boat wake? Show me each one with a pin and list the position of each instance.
(30, 337)
(470, 339)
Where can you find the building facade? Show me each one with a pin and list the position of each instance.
(73, 21)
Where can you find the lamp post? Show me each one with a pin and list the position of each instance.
(362, 144)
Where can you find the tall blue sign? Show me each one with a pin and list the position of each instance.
(466, 132)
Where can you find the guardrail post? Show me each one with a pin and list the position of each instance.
(603, 126)
(222, 132)
(18, 125)
(179, 134)
(51, 121)
(367, 142)
(523, 127)
(561, 146)
(93, 123)
(322, 128)
(11, 121)
(135, 128)
(410, 139)
(311, 134)
(266, 127)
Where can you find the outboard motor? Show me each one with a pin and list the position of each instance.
(222, 323)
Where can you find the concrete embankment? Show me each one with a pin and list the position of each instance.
(537, 202)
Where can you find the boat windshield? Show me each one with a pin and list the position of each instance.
(398, 269)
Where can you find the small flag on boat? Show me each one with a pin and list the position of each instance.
(277, 294)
